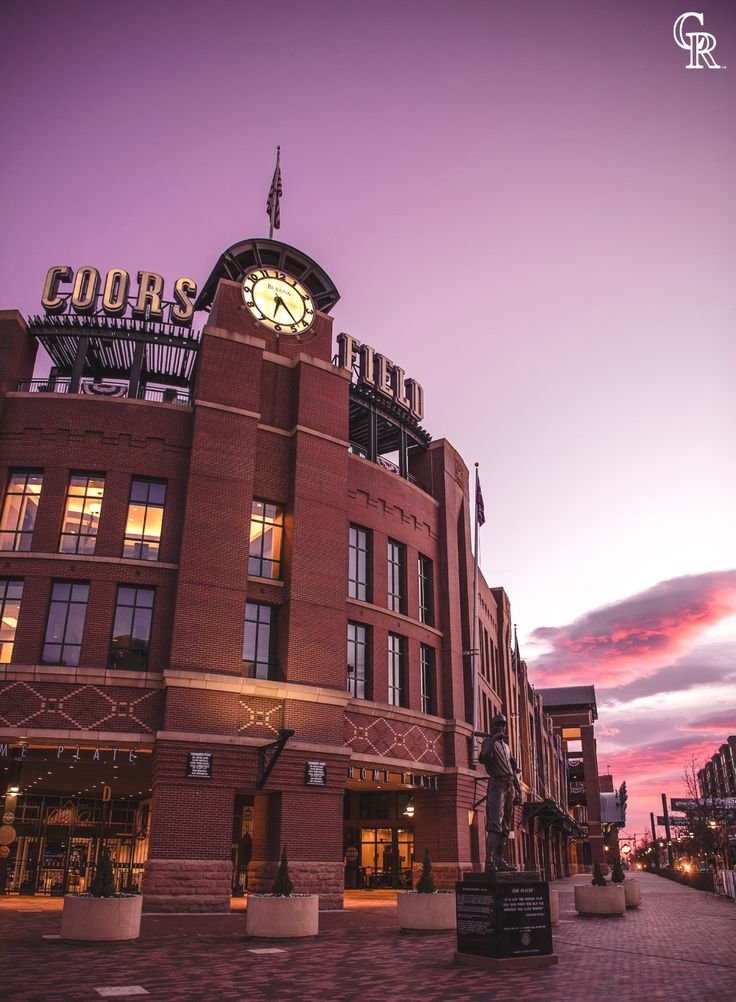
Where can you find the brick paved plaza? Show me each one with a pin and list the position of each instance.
(680, 945)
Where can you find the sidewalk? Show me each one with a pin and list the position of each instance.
(681, 944)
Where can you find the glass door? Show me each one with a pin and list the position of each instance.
(386, 857)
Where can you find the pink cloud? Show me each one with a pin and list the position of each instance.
(721, 723)
(626, 640)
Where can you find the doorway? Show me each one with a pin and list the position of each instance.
(386, 856)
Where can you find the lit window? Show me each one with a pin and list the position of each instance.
(397, 694)
(131, 631)
(359, 660)
(266, 540)
(427, 678)
(11, 592)
(259, 638)
(82, 513)
(145, 518)
(359, 572)
(19, 510)
(396, 576)
(426, 591)
(65, 625)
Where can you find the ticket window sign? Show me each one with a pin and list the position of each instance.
(199, 765)
(315, 774)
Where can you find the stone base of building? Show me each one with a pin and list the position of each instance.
(445, 874)
(187, 885)
(322, 878)
(507, 964)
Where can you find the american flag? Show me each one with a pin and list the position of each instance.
(273, 207)
(480, 508)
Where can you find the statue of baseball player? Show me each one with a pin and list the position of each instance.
(504, 790)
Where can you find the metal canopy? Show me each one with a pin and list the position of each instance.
(169, 353)
(258, 252)
(549, 814)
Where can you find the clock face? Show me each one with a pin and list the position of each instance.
(278, 301)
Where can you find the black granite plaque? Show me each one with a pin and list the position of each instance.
(503, 918)
(199, 765)
(315, 774)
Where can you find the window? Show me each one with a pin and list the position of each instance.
(19, 511)
(258, 640)
(397, 694)
(65, 624)
(82, 513)
(427, 678)
(131, 629)
(145, 517)
(426, 591)
(359, 661)
(11, 592)
(266, 539)
(359, 574)
(396, 576)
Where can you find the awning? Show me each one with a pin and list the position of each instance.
(550, 815)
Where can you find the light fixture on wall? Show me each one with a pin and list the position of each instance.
(409, 809)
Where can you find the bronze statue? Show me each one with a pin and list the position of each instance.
(504, 790)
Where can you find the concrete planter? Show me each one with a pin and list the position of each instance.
(270, 917)
(554, 905)
(426, 911)
(101, 919)
(591, 900)
(632, 893)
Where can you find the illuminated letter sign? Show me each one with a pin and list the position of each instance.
(380, 374)
(83, 295)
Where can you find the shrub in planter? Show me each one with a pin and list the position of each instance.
(598, 879)
(425, 884)
(282, 914)
(617, 875)
(598, 897)
(102, 915)
(426, 908)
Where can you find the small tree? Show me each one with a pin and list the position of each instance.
(425, 884)
(103, 883)
(282, 885)
(617, 876)
(598, 879)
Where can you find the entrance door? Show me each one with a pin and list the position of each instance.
(386, 856)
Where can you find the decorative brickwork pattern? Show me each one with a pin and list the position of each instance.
(259, 716)
(85, 707)
(393, 738)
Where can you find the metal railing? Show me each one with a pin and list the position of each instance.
(107, 388)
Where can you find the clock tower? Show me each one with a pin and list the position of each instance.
(269, 290)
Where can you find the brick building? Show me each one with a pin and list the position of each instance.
(574, 710)
(236, 580)
(717, 778)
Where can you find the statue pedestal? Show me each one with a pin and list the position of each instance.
(503, 921)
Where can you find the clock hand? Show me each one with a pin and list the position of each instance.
(288, 311)
(278, 301)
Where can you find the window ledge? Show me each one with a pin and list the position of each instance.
(266, 581)
(83, 676)
(394, 615)
(87, 558)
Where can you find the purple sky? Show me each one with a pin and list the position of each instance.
(528, 205)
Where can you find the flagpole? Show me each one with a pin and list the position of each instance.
(275, 196)
(474, 645)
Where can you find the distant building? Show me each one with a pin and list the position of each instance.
(574, 712)
(718, 777)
